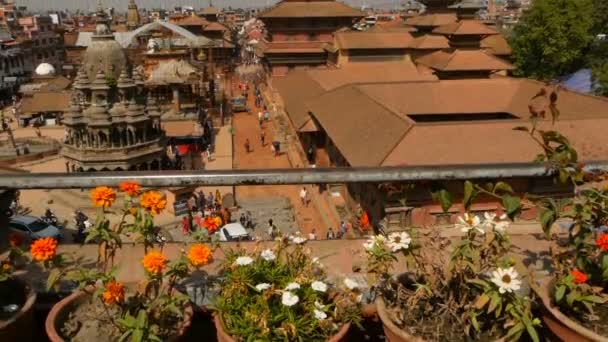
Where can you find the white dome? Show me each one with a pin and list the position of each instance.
(45, 69)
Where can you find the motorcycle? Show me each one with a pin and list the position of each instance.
(51, 219)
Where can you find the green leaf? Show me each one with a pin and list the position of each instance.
(468, 195)
(138, 336)
(474, 322)
(547, 218)
(53, 279)
(504, 187)
(445, 200)
(495, 300)
(142, 318)
(592, 299)
(532, 332)
(559, 293)
(515, 332)
(512, 206)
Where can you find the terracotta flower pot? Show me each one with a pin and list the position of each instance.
(562, 326)
(394, 333)
(222, 335)
(61, 311)
(19, 326)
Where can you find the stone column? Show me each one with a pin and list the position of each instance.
(67, 167)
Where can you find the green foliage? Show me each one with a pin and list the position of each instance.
(444, 197)
(551, 38)
(138, 329)
(252, 313)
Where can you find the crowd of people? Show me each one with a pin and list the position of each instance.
(204, 209)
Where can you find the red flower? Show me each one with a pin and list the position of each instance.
(579, 277)
(16, 240)
(602, 242)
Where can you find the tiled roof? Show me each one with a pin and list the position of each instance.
(497, 45)
(44, 102)
(299, 86)
(191, 20)
(363, 131)
(308, 9)
(373, 40)
(432, 20)
(465, 27)
(430, 41)
(464, 60)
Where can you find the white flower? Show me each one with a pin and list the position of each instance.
(490, 223)
(398, 241)
(319, 286)
(377, 240)
(469, 222)
(319, 305)
(263, 286)
(243, 261)
(351, 284)
(292, 286)
(506, 279)
(268, 255)
(315, 260)
(298, 240)
(289, 299)
(320, 315)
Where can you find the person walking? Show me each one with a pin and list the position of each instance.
(185, 225)
(263, 138)
(247, 146)
(243, 220)
(271, 229)
(312, 235)
(260, 118)
(218, 199)
(343, 228)
(304, 196)
(210, 200)
(330, 234)
(202, 202)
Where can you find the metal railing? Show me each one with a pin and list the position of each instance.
(283, 176)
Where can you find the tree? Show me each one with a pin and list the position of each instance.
(600, 18)
(552, 37)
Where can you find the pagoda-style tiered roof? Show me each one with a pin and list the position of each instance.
(465, 28)
(430, 41)
(464, 60)
(311, 9)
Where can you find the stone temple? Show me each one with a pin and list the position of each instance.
(112, 124)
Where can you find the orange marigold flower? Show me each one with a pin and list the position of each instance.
(199, 255)
(43, 249)
(579, 277)
(103, 196)
(212, 223)
(6, 267)
(15, 240)
(114, 293)
(154, 262)
(602, 242)
(130, 188)
(153, 201)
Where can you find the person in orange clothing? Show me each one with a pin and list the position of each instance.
(364, 221)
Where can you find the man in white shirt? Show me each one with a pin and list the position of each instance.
(304, 196)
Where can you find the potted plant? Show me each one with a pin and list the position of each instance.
(474, 290)
(17, 297)
(283, 294)
(104, 309)
(575, 298)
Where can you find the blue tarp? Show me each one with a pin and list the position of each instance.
(580, 81)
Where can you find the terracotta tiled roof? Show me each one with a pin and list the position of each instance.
(363, 131)
(497, 45)
(432, 20)
(463, 60)
(308, 9)
(368, 73)
(396, 28)
(215, 26)
(465, 27)
(467, 143)
(191, 20)
(210, 10)
(44, 102)
(373, 40)
(430, 41)
(299, 86)
(291, 47)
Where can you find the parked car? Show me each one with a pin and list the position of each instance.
(32, 228)
(233, 232)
